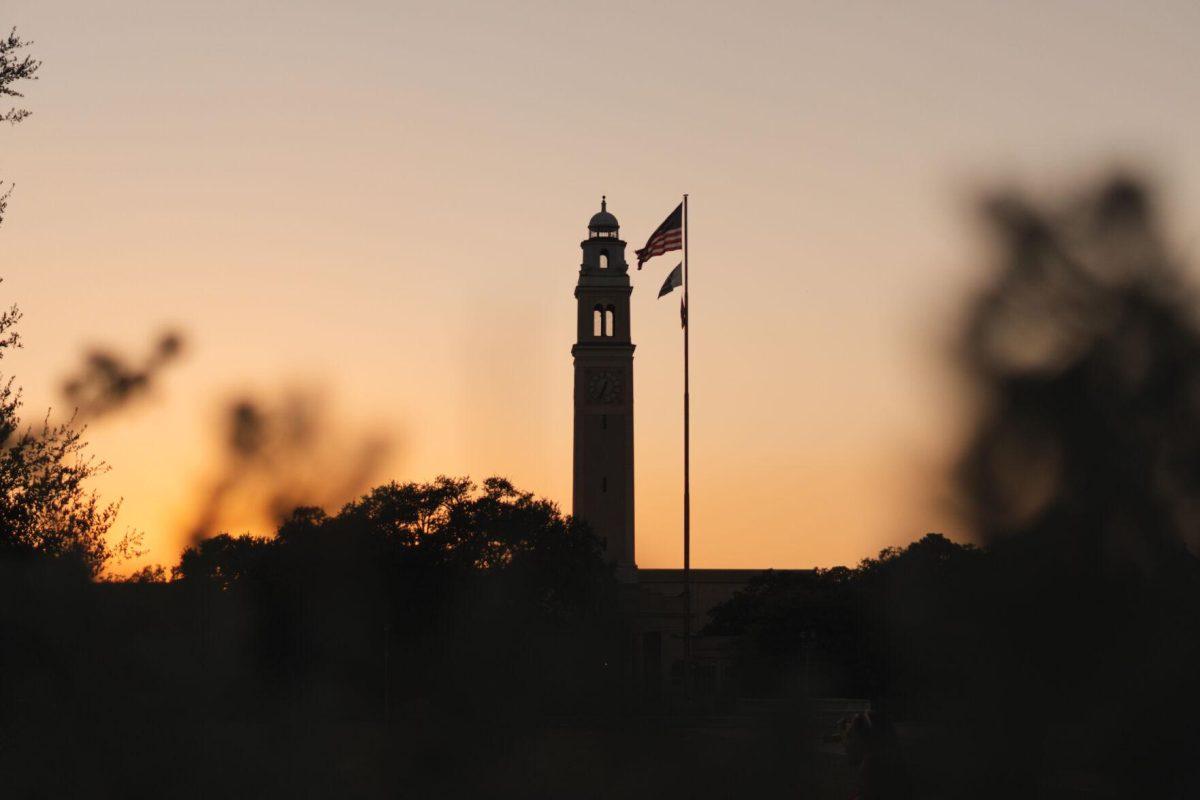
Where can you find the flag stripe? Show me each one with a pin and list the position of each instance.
(666, 237)
(665, 240)
(675, 236)
(673, 240)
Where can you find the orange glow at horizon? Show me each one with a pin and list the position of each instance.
(386, 202)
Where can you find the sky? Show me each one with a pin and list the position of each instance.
(381, 203)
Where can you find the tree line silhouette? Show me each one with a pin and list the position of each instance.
(448, 606)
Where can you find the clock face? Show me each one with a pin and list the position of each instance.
(604, 386)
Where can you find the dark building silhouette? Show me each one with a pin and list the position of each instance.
(603, 481)
(603, 489)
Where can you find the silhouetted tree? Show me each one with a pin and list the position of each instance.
(477, 584)
(894, 626)
(151, 573)
(224, 559)
(449, 526)
(15, 66)
(46, 508)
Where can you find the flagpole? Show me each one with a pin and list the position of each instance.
(687, 475)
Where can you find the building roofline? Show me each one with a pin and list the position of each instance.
(675, 575)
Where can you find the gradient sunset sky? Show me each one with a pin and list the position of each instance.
(385, 200)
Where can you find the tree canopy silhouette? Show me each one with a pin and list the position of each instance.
(449, 525)
(889, 628)
(46, 507)
(486, 567)
(15, 66)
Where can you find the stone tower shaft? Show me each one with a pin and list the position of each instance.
(602, 490)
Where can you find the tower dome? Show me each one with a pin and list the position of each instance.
(602, 221)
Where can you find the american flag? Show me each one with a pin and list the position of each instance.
(666, 237)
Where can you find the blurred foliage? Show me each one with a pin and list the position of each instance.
(107, 382)
(1083, 356)
(283, 452)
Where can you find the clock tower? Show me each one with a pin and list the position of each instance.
(603, 471)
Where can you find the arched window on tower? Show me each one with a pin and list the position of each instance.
(598, 321)
(610, 321)
(603, 259)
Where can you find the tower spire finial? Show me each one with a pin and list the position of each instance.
(603, 203)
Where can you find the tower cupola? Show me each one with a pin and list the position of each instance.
(603, 225)
(603, 250)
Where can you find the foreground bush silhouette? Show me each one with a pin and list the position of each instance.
(1083, 478)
